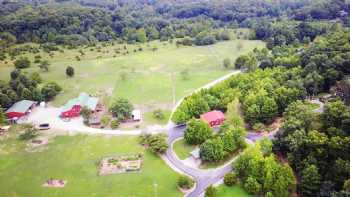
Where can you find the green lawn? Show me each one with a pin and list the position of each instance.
(76, 160)
(148, 118)
(235, 191)
(182, 149)
(148, 78)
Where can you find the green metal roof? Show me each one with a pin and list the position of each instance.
(84, 100)
(21, 106)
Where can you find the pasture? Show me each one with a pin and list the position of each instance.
(76, 159)
(152, 77)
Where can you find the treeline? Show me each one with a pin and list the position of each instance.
(21, 86)
(85, 22)
(317, 147)
(264, 95)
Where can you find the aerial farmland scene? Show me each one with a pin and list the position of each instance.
(174, 98)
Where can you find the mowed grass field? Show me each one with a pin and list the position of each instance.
(235, 191)
(182, 149)
(76, 160)
(150, 79)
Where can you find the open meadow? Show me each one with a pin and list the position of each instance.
(76, 159)
(151, 76)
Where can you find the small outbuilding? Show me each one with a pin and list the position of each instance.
(136, 115)
(73, 107)
(213, 118)
(19, 109)
(195, 154)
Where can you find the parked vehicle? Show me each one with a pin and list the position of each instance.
(44, 126)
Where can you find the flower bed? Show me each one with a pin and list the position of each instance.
(121, 164)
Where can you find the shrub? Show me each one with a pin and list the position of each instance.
(252, 186)
(226, 63)
(22, 62)
(105, 121)
(50, 90)
(115, 124)
(210, 191)
(29, 133)
(185, 182)
(44, 65)
(230, 179)
(70, 71)
(36, 77)
(212, 150)
(158, 114)
(157, 143)
(122, 109)
(85, 113)
(197, 132)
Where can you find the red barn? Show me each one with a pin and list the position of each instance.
(213, 118)
(19, 109)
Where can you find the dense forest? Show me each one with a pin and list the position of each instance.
(83, 22)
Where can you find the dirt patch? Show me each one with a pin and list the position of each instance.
(57, 183)
(121, 164)
(37, 144)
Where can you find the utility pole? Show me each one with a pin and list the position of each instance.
(155, 185)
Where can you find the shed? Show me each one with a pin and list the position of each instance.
(195, 153)
(213, 118)
(20, 109)
(136, 114)
(73, 107)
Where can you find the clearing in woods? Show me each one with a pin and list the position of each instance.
(150, 78)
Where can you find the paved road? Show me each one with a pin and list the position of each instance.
(203, 178)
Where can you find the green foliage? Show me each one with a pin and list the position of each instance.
(266, 146)
(247, 62)
(197, 132)
(115, 124)
(36, 77)
(226, 63)
(310, 181)
(2, 116)
(185, 74)
(70, 71)
(141, 35)
(158, 114)
(86, 114)
(105, 120)
(259, 107)
(210, 191)
(157, 143)
(212, 150)
(50, 90)
(260, 174)
(121, 108)
(22, 62)
(29, 133)
(44, 65)
(346, 185)
(230, 179)
(252, 185)
(185, 182)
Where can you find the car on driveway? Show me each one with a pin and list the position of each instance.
(44, 126)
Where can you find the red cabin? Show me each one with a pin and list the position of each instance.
(213, 118)
(73, 107)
